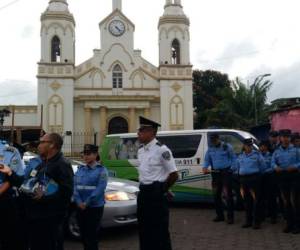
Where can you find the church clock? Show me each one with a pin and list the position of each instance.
(117, 28)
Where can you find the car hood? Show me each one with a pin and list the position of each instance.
(115, 184)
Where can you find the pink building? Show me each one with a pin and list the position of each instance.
(286, 114)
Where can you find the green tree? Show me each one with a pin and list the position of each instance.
(208, 88)
(229, 104)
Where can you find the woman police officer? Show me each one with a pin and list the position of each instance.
(249, 166)
(89, 186)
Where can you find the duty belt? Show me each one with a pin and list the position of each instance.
(80, 187)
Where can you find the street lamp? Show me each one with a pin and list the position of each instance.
(257, 80)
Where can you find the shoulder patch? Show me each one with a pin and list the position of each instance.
(166, 155)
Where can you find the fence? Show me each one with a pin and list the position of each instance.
(74, 142)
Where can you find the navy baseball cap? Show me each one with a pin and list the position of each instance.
(285, 132)
(248, 141)
(90, 148)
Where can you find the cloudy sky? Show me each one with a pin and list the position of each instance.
(243, 38)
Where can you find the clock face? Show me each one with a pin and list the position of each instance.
(117, 28)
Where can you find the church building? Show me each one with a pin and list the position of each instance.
(109, 91)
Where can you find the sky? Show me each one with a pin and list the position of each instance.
(243, 38)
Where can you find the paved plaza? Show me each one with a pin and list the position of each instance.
(192, 229)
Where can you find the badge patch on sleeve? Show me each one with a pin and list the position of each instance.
(166, 155)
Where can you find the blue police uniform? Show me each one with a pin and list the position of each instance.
(89, 188)
(267, 158)
(286, 157)
(90, 184)
(288, 181)
(220, 158)
(250, 168)
(10, 157)
(249, 164)
(269, 189)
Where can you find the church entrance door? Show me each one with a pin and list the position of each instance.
(117, 125)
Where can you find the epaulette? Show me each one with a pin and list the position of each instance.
(159, 144)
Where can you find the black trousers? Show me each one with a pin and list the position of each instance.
(153, 218)
(222, 184)
(251, 193)
(8, 227)
(236, 187)
(269, 196)
(289, 185)
(44, 232)
(89, 221)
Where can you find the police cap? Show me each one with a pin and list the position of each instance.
(274, 134)
(248, 141)
(265, 143)
(146, 123)
(296, 136)
(90, 148)
(285, 132)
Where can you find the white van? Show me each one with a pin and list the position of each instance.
(119, 155)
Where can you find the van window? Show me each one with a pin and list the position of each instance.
(234, 139)
(182, 146)
(123, 148)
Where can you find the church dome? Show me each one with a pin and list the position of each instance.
(58, 6)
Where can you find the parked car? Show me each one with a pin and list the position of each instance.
(121, 202)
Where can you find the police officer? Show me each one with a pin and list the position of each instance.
(250, 165)
(89, 186)
(220, 157)
(286, 162)
(295, 140)
(274, 141)
(269, 203)
(11, 165)
(157, 173)
(47, 191)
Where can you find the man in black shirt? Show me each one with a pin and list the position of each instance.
(47, 202)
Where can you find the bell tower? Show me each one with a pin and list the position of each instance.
(56, 67)
(175, 67)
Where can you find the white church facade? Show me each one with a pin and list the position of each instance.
(109, 91)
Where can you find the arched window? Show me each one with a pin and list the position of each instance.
(55, 49)
(175, 52)
(117, 77)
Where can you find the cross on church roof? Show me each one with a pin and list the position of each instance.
(117, 4)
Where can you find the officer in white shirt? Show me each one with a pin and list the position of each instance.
(157, 173)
